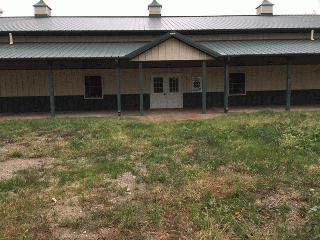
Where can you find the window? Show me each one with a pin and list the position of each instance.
(237, 84)
(93, 87)
(196, 84)
(173, 84)
(158, 85)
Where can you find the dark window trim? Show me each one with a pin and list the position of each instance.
(93, 98)
(175, 88)
(245, 84)
(153, 86)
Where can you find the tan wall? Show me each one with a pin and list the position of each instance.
(260, 36)
(148, 38)
(264, 10)
(89, 39)
(71, 82)
(155, 10)
(23, 83)
(42, 11)
(305, 76)
(172, 49)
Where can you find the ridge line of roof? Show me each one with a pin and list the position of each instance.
(175, 16)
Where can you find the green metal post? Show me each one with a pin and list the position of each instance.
(289, 85)
(118, 83)
(204, 87)
(226, 86)
(51, 90)
(141, 86)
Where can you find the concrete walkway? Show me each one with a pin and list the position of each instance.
(158, 115)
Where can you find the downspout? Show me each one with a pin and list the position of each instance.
(10, 38)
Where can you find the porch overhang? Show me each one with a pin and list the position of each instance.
(256, 48)
(132, 51)
(51, 51)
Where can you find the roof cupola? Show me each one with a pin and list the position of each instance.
(41, 9)
(265, 8)
(155, 9)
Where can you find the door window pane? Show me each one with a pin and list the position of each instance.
(158, 85)
(93, 87)
(174, 84)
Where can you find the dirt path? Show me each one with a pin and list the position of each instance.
(159, 115)
(10, 167)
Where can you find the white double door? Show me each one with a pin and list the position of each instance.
(166, 91)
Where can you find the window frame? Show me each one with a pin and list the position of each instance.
(93, 98)
(177, 82)
(153, 84)
(245, 84)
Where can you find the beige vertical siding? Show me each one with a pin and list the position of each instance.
(306, 77)
(258, 36)
(71, 82)
(4, 39)
(264, 10)
(172, 49)
(23, 83)
(87, 39)
(264, 77)
(148, 38)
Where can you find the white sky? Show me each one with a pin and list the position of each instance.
(170, 7)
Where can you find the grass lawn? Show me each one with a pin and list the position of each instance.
(241, 176)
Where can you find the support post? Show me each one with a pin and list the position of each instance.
(204, 87)
(51, 90)
(226, 85)
(289, 85)
(141, 87)
(118, 84)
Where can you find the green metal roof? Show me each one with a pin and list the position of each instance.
(41, 3)
(66, 50)
(303, 23)
(266, 3)
(155, 4)
(130, 50)
(264, 47)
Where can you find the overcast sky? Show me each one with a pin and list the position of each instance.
(170, 7)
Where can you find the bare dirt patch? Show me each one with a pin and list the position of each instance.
(8, 147)
(290, 198)
(10, 167)
(314, 168)
(224, 181)
(104, 233)
(132, 189)
(178, 115)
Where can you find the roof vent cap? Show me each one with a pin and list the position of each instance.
(41, 9)
(1, 12)
(265, 8)
(155, 9)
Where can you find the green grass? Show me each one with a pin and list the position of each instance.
(241, 176)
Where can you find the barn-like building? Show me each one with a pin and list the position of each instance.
(50, 64)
